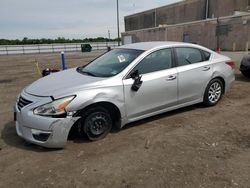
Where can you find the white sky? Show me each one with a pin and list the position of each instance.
(67, 18)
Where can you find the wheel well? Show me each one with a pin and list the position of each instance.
(223, 83)
(112, 109)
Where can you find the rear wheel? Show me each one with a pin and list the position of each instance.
(213, 92)
(96, 123)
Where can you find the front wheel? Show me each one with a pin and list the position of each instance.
(213, 92)
(96, 123)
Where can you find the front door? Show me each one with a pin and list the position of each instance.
(159, 86)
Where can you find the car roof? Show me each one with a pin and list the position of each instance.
(150, 45)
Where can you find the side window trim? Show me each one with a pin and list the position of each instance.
(203, 55)
(174, 61)
(175, 57)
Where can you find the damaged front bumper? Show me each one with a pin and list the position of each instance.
(45, 131)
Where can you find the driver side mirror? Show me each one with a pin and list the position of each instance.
(134, 75)
(137, 80)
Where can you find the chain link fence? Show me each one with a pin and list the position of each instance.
(52, 48)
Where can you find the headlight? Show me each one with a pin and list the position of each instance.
(56, 107)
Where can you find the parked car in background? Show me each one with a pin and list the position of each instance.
(245, 66)
(124, 85)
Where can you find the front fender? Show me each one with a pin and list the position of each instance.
(112, 95)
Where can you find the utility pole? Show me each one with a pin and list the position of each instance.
(109, 35)
(118, 24)
(155, 18)
(218, 33)
(207, 9)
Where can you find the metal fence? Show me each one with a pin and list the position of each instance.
(52, 48)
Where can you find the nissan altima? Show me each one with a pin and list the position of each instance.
(124, 85)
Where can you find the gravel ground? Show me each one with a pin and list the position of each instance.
(191, 147)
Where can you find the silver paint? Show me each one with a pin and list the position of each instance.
(160, 92)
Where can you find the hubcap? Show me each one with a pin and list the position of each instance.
(98, 124)
(214, 92)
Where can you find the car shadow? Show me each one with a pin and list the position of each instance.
(241, 77)
(75, 137)
(10, 138)
(160, 116)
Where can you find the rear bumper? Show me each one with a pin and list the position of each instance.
(229, 79)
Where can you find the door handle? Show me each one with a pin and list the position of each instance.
(206, 68)
(172, 77)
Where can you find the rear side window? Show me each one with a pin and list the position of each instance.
(156, 61)
(186, 56)
(206, 55)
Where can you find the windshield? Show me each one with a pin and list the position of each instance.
(111, 63)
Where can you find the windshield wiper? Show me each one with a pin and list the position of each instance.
(80, 70)
(88, 73)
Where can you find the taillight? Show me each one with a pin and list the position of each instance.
(231, 64)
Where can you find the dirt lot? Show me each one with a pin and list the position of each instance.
(191, 147)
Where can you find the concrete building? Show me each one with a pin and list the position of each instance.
(211, 23)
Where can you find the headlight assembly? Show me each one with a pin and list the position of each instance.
(54, 108)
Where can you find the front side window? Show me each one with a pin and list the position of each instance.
(156, 61)
(186, 56)
(111, 63)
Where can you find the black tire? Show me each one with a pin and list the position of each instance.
(95, 123)
(213, 92)
(246, 73)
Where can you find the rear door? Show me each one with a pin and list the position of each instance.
(159, 88)
(194, 72)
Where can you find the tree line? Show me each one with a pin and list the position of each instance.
(26, 40)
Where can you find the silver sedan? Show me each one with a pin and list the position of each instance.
(127, 84)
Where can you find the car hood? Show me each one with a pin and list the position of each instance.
(62, 82)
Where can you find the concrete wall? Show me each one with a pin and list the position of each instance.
(219, 8)
(234, 33)
(185, 11)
